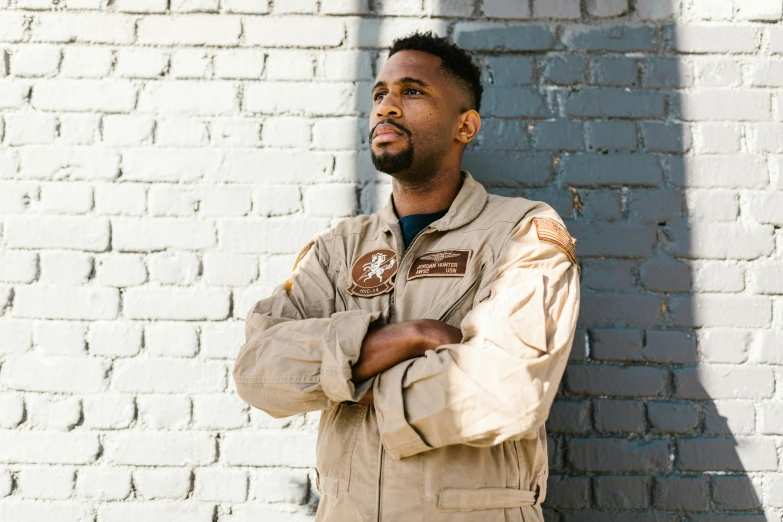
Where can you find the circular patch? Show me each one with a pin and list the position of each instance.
(371, 274)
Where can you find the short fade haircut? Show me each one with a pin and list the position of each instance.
(456, 62)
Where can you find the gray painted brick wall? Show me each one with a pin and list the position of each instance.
(162, 161)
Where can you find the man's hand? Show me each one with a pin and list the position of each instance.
(367, 399)
(433, 333)
(386, 346)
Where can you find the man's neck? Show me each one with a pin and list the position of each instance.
(425, 197)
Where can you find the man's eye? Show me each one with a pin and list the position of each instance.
(376, 96)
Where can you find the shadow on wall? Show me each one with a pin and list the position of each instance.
(586, 118)
(585, 115)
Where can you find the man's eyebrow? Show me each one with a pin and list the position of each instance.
(406, 79)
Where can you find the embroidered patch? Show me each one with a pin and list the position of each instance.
(553, 232)
(440, 263)
(371, 274)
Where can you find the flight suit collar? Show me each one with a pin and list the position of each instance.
(470, 201)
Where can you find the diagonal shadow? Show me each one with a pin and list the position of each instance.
(587, 116)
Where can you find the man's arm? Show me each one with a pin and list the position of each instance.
(300, 355)
(387, 346)
(298, 351)
(500, 382)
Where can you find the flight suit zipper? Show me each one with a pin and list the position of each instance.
(339, 293)
(392, 294)
(473, 285)
(392, 302)
(380, 480)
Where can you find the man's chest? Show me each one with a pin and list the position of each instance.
(438, 277)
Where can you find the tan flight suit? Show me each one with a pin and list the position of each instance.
(458, 434)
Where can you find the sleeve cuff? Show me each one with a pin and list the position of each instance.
(342, 344)
(399, 438)
(361, 391)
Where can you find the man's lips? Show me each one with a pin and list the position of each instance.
(386, 136)
(386, 132)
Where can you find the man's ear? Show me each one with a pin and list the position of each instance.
(470, 123)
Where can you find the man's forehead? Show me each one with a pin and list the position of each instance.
(412, 64)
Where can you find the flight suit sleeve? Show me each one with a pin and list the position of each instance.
(499, 382)
(298, 350)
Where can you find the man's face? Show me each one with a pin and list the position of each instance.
(415, 114)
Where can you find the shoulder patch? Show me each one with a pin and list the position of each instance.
(303, 253)
(553, 232)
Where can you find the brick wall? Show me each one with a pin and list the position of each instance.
(162, 161)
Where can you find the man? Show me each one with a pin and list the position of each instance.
(432, 335)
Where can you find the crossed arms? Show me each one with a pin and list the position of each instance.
(387, 346)
(431, 385)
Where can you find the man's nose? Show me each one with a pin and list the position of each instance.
(388, 106)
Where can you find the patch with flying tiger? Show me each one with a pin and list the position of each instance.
(440, 263)
(372, 274)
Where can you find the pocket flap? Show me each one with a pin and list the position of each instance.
(485, 498)
(528, 321)
(329, 487)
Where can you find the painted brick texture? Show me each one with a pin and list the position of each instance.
(162, 161)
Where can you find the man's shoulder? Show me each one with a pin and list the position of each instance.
(360, 224)
(515, 210)
(534, 219)
(324, 242)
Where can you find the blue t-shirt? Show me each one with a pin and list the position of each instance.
(415, 223)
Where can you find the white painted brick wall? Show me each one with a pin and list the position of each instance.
(151, 484)
(48, 483)
(109, 411)
(103, 483)
(161, 163)
(221, 485)
(52, 412)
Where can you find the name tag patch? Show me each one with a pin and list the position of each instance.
(440, 263)
(372, 273)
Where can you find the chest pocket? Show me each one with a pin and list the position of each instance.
(454, 314)
(456, 303)
(344, 301)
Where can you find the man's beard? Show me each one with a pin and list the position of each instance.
(394, 162)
